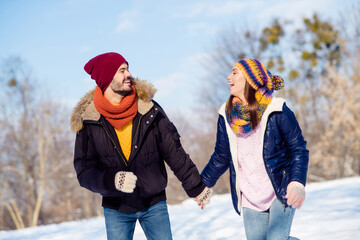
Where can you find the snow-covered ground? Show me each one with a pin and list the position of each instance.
(331, 211)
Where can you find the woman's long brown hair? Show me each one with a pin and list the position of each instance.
(252, 105)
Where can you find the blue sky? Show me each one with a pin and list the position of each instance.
(163, 41)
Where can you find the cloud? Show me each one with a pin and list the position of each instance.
(226, 8)
(196, 62)
(125, 25)
(168, 85)
(213, 10)
(85, 48)
(127, 21)
(202, 28)
(295, 10)
(181, 84)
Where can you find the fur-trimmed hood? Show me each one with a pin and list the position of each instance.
(85, 109)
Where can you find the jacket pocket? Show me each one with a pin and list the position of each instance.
(110, 161)
(152, 183)
(277, 141)
(150, 158)
(285, 173)
(284, 182)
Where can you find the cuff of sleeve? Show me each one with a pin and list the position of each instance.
(302, 181)
(196, 191)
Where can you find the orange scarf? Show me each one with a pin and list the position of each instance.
(117, 115)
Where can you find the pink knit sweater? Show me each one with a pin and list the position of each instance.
(253, 181)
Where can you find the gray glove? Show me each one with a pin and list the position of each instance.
(125, 181)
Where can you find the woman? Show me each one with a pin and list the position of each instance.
(259, 139)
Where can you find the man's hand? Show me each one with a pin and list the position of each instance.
(125, 181)
(204, 197)
(295, 194)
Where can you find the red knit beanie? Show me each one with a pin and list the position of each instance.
(103, 67)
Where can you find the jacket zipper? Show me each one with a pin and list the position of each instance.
(284, 172)
(267, 171)
(272, 180)
(107, 133)
(137, 129)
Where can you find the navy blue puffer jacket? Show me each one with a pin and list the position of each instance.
(284, 151)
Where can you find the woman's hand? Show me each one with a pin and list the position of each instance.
(295, 194)
(204, 197)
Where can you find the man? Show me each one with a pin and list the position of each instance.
(123, 138)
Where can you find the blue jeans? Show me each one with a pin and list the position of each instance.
(273, 224)
(154, 221)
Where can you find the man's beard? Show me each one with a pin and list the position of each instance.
(120, 89)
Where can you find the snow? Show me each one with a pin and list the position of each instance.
(331, 211)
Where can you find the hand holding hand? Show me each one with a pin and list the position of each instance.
(204, 197)
(125, 181)
(295, 194)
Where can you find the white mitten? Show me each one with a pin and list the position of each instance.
(204, 197)
(295, 194)
(125, 181)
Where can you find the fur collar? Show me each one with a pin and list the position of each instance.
(85, 109)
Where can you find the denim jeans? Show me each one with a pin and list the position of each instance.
(273, 224)
(154, 221)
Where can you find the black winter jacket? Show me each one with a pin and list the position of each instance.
(98, 156)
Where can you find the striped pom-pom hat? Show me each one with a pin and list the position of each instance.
(259, 77)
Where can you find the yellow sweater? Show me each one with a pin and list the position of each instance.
(124, 136)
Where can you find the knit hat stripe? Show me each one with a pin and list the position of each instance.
(249, 74)
(270, 84)
(266, 75)
(260, 68)
(261, 75)
(253, 74)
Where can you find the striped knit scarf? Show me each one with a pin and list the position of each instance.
(240, 115)
(117, 115)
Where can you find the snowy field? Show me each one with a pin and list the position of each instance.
(331, 211)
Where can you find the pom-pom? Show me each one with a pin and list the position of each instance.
(278, 82)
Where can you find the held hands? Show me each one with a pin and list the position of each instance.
(125, 181)
(295, 194)
(204, 197)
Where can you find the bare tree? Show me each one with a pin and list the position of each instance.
(337, 153)
(35, 149)
(199, 143)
